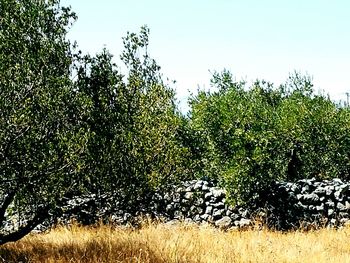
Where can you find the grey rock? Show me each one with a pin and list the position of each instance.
(320, 191)
(198, 185)
(197, 218)
(330, 212)
(218, 213)
(235, 216)
(305, 189)
(169, 208)
(205, 217)
(209, 210)
(337, 181)
(341, 207)
(343, 215)
(172, 223)
(179, 189)
(208, 196)
(228, 212)
(329, 203)
(329, 190)
(176, 197)
(217, 192)
(312, 208)
(189, 188)
(344, 221)
(184, 209)
(333, 221)
(244, 222)
(188, 195)
(224, 222)
(205, 188)
(338, 195)
(199, 202)
(178, 214)
(300, 205)
(311, 198)
(320, 208)
(243, 212)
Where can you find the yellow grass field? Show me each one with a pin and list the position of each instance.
(183, 243)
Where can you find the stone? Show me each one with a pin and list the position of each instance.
(178, 214)
(235, 216)
(300, 205)
(341, 207)
(188, 195)
(205, 188)
(312, 208)
(329, 190)
(218, 213)
(344, 221)
(199, 202)
(243, 212)
(185, 201)
(179, 190)
(169, 208)
(217, 192)
(205, 217)
(224, 222)
(176, 197)
(320, 208)
(337, 181)
(311, 198)
(338, 195)
(330, 203)
(320, 191)
(198, 185)
(197, 218)
(209, 210)
(228, 212)
(208, 196)
(330, 212)
(244, 222)
(305, 189)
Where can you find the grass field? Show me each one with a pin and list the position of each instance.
(184, 243)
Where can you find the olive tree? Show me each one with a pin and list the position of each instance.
(40, 138)
(134, 124)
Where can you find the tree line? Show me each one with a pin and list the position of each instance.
(72, 124)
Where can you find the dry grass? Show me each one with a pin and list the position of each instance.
(161, 243)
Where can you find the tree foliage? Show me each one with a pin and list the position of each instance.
(256, 134)
(134, 122)
(102, 132)
(40, 142)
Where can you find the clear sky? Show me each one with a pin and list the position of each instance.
(265, 39)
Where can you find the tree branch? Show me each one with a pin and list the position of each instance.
(41, 215)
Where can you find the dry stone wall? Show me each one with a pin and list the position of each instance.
(285, 205)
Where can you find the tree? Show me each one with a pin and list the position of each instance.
(134, 122)
(257, 134)
(40, 139)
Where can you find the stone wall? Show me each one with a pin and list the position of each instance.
(305, 203)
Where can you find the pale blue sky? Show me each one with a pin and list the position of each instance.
(252, 38)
